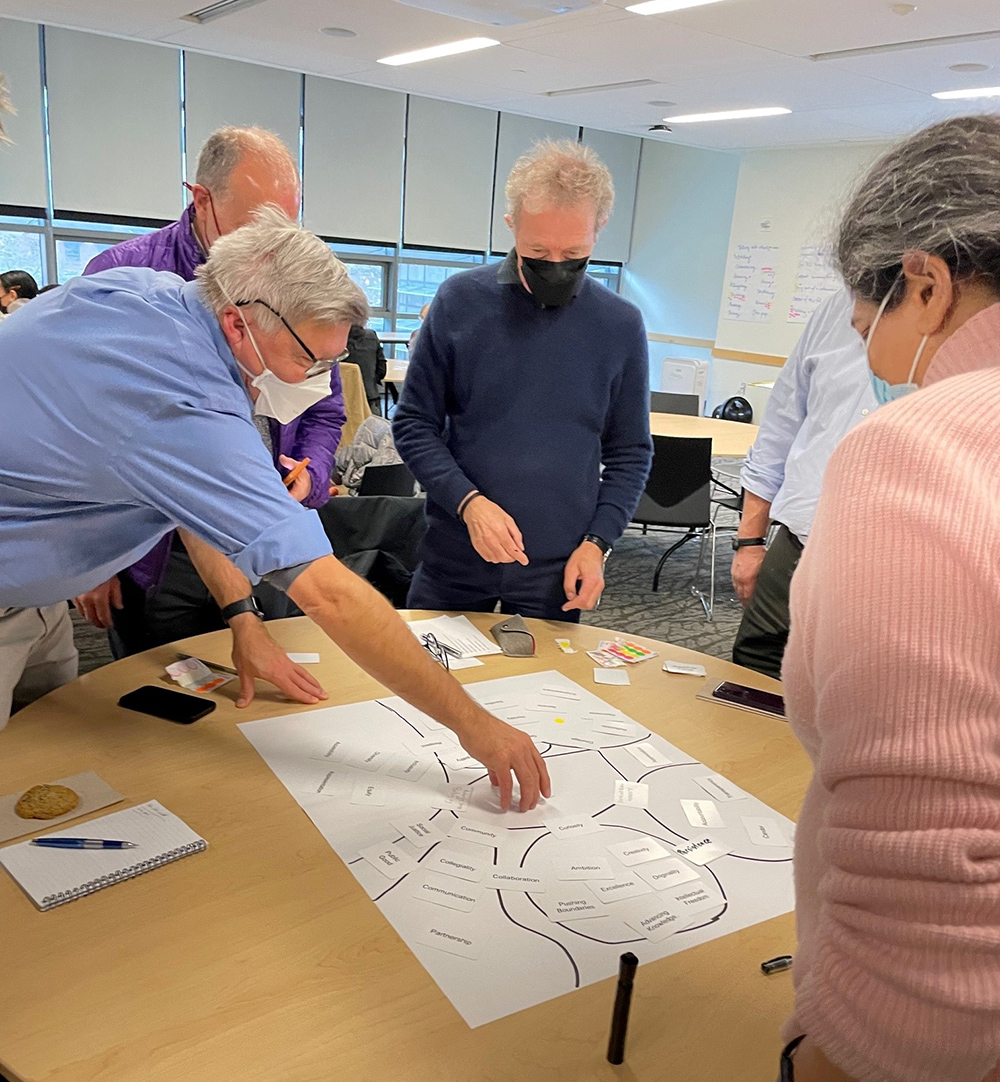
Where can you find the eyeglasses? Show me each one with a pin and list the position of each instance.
(438, 650)
(318, 367)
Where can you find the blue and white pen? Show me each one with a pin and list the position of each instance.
(82, 843)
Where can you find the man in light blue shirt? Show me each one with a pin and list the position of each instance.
(127, 411)
(822, 392)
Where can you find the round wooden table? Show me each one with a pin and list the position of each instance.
(264, 959)
(730, 439)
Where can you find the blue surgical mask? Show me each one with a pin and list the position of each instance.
(886, 392)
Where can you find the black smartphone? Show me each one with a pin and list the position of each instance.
(164, 703)
(752, 698)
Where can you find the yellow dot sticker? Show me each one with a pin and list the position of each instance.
(560, 721)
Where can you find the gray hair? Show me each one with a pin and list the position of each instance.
(560, 174)
(275, 260)
(937, 192)
(224, 150)
(5, 107)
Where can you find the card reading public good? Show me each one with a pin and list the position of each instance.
(446, 891)
(572, 826)
(702, 813)
(457, 865)
(701, 851)
(648, 755)
(582, 868)
(631, 794)
(638, 852)
(764, 831)
(720, 788)
(389, 860)
(628, 886)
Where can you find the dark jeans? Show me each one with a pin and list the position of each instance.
(180, 608)
(473, 585)
(763, 633)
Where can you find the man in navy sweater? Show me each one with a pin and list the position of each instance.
(526, 379)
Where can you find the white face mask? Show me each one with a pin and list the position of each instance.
(276, 398)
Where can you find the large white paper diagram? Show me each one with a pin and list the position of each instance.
(640, 848)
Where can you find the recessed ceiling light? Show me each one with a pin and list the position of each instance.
(217, 10)
(451, 48)
(339, 32)
(731, 114)
(975, 92)
(663, 104)
(968, 68)
(658, 7)
(597, 87)
(903, 9)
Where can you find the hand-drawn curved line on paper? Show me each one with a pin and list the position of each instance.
(443, 767)
(612, 765)
(583, 935)
(532, 846)
(387, 889)
(385, 706)
(664, 825)
(534, 931)
(668, 766)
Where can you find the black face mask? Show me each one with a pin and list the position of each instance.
(553, 284)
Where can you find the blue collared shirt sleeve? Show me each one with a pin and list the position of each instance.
(763, 472)
(208, 472)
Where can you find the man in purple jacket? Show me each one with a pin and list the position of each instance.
(161, 598)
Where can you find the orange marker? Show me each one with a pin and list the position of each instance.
(294, 472)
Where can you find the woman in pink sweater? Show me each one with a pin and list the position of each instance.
(892, 673)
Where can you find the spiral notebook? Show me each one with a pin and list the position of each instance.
(52, 877)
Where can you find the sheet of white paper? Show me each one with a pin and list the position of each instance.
(454, 937)
(513, 879)
(473, 830)
(304, 659)
(611, 676)
(702, 813)
(656, 919)
(504, 921)
(625, 886)
(696, 898)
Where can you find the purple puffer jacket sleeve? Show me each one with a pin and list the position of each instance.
(316, 436)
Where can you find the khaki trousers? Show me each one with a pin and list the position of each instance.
(37, 655)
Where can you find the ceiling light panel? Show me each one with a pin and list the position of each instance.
(435, 52)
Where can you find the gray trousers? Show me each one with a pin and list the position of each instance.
(37, 655)
(763, 633)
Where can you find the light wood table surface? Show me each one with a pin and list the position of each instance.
(262, 959)
(730, 439)
(395, 371)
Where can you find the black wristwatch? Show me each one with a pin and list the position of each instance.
(747, 542)
(599, 542)
(237, 608)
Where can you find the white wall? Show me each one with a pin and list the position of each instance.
(683, 211)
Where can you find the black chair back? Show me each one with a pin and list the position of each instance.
(668, 402)
(394, 480)
(679, 489)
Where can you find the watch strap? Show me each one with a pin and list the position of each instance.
(237, 608)
(599, 542)
(748, 542)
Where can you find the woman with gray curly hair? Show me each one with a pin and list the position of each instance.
(892, 674)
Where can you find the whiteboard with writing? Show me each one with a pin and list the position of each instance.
(752, 285)
(815, 281)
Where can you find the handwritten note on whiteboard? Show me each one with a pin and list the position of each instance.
(816, 280)
(752, 283)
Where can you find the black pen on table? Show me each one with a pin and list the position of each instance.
(623, 1001)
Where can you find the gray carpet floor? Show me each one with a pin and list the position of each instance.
(629, 604)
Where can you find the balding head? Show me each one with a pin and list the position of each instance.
(239, 171)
